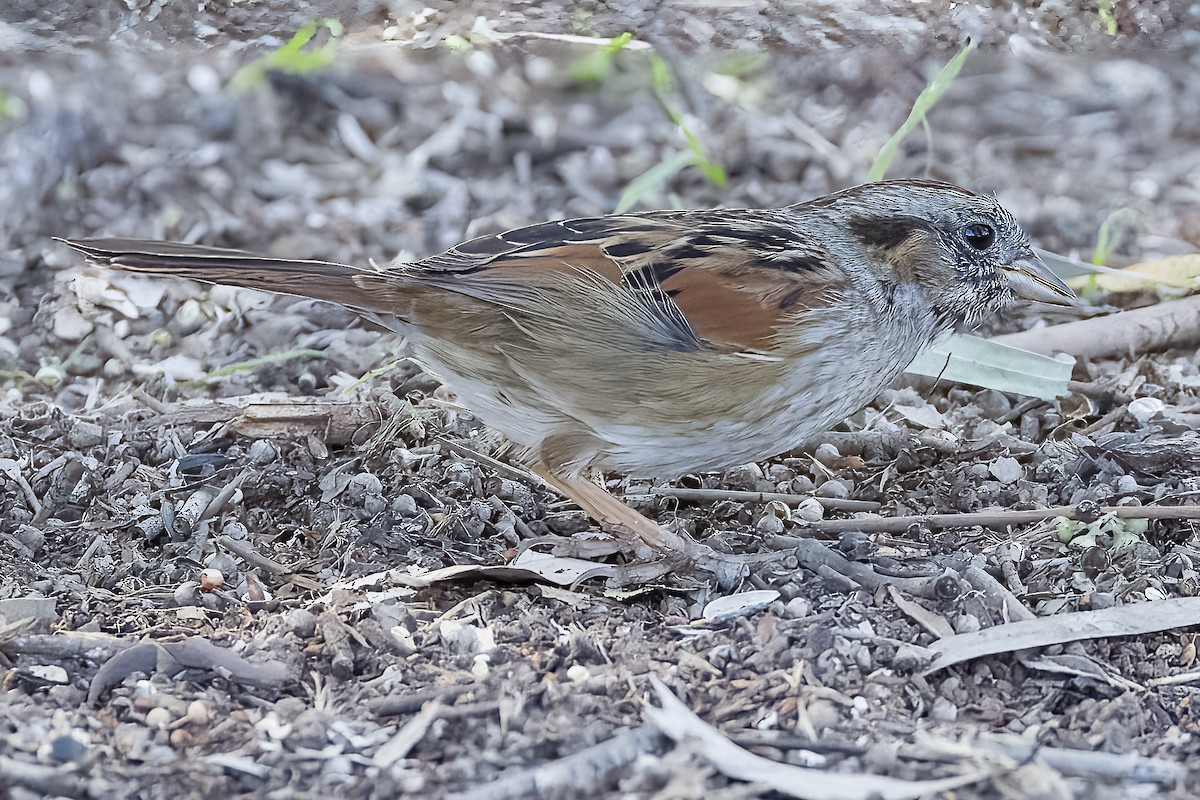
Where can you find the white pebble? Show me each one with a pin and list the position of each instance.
(809, 510)
(833, 489)
(1144, 409)
(827, 454)
(1007, 470)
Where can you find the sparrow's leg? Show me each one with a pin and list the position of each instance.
(626, 524)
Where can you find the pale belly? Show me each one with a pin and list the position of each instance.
(651, 416)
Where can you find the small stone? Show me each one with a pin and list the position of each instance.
(159, 718)
(198, 713)
(1007, 470)
(827, 454)
(943, 710)
(211, 579)
(466, 639)
(1127, 484)
(809, 510)
(263, 452)
(301, 622)
(481, 666)
(66, 748)
(404, 505)
(769, 524)
(802, 484)
(70, 325)
(833, 489)
(1143, 409)
(187, 593)
(31, 537)
(745, 477)
(85, 434)
(797, 608)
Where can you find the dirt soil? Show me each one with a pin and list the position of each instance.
(139, 456)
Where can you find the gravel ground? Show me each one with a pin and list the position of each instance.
(366, 640)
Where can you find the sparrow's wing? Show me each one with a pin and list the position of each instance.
(684, 280)
(699, 279)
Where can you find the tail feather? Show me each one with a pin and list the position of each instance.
(321, 280)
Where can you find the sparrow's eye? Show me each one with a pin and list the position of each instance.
(979, 236)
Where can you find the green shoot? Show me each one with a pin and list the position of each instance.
(10, 107)
(1107, 18)
(1115, 229)
(663, 82)
(262, 361)
(653, 179)
(742, 65)
(292, 57)
(597, 66)
(371, 375)
(925, 101)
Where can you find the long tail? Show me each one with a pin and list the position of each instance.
(322, 280)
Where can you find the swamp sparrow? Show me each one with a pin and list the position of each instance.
(659, 343)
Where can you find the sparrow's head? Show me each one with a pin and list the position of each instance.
(966, 252)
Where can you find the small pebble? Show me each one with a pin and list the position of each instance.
(1143, 409)
(1007, 470)
(1126, 484)
(797, 608)
(187, 593)
(827, 454)
(159, 718)
(211, 579)
(301, 622)
(263, 452)
(833, 489)
(809, 510)
(404, 505)
(943, 710)
(769, 524)
(481, 666)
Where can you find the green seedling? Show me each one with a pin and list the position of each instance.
(1123, 534)
(371, 375)
(664, 85)
(1116, 228)
(262, 361)
(924, 102)
(1109, 20)
(293, 57)
(597, 66)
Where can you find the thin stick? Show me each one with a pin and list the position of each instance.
(252, 556)
(996, 520)
(717, 495)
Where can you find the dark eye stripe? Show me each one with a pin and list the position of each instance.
(886, 232)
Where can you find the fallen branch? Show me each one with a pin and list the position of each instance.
(718, 495)
(1163, 326)
(996, 520)
(821, 559)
